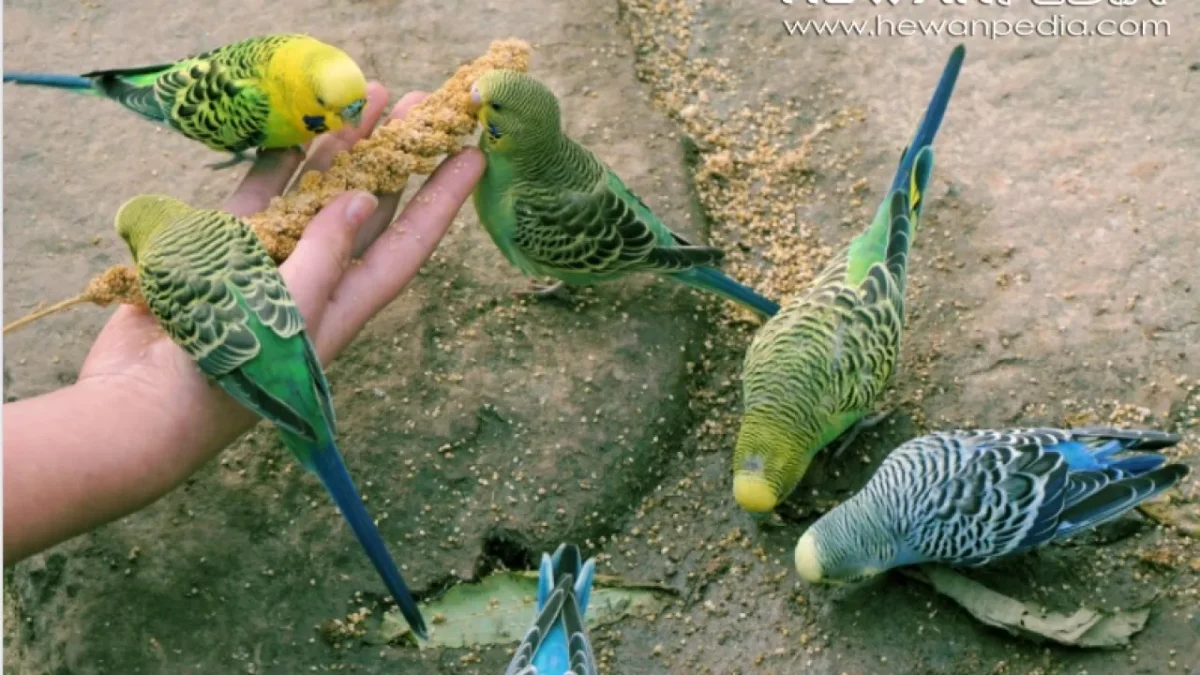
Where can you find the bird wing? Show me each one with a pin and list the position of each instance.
(218, 294)
(216, 98)
(601, 230)
(549, 615)
(986, 494)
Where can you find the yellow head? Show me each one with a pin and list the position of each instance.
(768, 462)
(323, 87)
(515, 111)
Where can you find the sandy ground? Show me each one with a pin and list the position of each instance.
(1052, 283)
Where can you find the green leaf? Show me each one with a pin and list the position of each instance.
(499, 608)
(1083, 628)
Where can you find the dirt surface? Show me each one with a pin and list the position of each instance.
(1052, 283)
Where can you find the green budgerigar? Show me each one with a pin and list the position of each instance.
(555, 209)
(216, 292)
(272, 91)
(814, 372)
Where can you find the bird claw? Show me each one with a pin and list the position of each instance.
(237, 158)
(558, 290)
(850, 434)
(768, 521)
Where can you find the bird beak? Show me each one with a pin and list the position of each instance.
(476, 98)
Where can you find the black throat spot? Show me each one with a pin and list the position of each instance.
(315, 123)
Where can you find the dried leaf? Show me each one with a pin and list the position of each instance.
(1083, 628)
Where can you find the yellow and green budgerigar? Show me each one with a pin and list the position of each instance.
(815, 371)
(555, 209)
(217, 293)
(274, 91)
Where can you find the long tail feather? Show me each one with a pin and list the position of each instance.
(928, 128)
(1133, 439)
(713, 280)
(899, 242)
(1138, 464)
(328, 465)
(1116, 498)
(56, 81)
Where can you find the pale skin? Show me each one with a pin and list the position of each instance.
(142, 418)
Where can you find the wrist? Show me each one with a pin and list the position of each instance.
(105, 447)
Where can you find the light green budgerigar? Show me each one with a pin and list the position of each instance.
(815, 371)
(218, 295)
(555, 209)
(272, 91)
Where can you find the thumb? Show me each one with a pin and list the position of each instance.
(314, 269)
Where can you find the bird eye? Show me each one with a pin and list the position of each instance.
(495, 106)
(320, 101)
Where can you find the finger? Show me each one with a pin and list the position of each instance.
(393, 260)
(387, 202)
(268, 176)
(326, 146)
(315, 267)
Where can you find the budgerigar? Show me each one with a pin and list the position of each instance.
(815, 371)
(968, 497)
(275, 91)
(557, 642)
(218, 295)
(555, 209)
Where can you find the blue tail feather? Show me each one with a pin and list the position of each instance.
(328, 465)
(1114, 499)
(49, 80)
(932, 119)
(712, 279)
(1138, 464)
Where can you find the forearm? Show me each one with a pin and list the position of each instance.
(88, 454)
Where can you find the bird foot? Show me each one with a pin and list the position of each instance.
(558, 290)
(852, 433)
(768, 521)
(237, 158)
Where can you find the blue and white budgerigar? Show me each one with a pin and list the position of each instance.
(969, 497)
(557, 642)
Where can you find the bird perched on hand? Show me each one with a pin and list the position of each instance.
(275, 91)
(557, 642)
(969, 497)
(555, 209)
(217, 293)
(815, 371)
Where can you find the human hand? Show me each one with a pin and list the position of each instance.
(134, 372)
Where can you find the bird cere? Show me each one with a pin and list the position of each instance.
(813, 377)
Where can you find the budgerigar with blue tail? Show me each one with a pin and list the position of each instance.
(969, 497)
(557, 642)
(273, 91)
(555, 209)
(815, 371)
(217, 294)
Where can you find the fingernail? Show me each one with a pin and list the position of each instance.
(361, 206)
